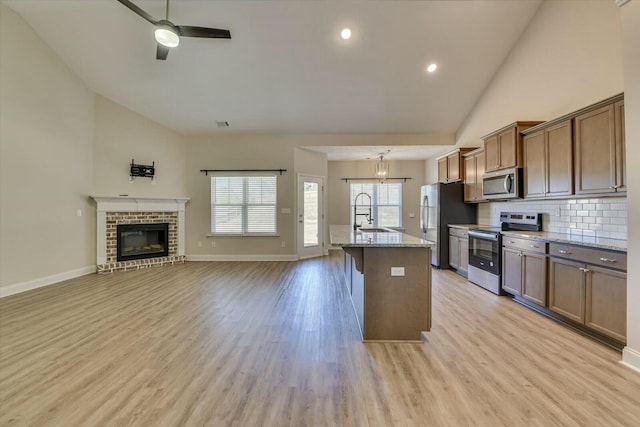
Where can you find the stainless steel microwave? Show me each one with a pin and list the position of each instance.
(502, 185)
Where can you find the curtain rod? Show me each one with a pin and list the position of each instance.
(206, 171)
(374, 179)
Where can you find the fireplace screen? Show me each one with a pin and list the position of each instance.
(137, 241)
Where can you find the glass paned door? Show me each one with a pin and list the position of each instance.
(310, 217)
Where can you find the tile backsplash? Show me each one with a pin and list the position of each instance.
(601, 217)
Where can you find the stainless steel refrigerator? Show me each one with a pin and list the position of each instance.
(440, 205)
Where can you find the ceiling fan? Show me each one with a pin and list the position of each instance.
(168, 34)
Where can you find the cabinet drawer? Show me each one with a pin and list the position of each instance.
(524, 244)
(459, 232)
(608, 259)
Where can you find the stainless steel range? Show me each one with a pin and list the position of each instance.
(485, 248)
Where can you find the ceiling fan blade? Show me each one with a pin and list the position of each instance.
(139, 11)
(162, 52)
(210, 33)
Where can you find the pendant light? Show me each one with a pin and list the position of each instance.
(382, 169)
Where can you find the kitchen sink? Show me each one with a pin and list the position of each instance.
(373, 230)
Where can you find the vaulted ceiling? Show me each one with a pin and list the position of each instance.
(286, 68)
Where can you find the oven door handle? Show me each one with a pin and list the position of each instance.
(483, 236)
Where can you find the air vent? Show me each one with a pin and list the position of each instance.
(223, 124)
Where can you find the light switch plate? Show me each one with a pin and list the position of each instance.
(397, 271)
(285, 210)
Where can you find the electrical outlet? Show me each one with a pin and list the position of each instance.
(397, 271)
(79, 212)
(412, 215)
(199, 244)
(282, 244)
(213, 243)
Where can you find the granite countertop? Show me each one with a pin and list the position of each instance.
(574, 239)
(344, 236)
(467, 226)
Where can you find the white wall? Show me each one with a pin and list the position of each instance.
(339, 205)
(630, 18)
(46, 162)
(569, 56)
(122, 135)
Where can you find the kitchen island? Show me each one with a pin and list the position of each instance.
(388, 276)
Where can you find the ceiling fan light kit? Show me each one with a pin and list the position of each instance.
(168, 34)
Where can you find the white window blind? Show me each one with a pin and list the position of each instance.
(386, 203)
(243, 204)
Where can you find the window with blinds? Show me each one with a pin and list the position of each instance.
(386, 203)
(243, 205)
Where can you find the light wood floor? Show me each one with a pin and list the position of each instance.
(276, 344)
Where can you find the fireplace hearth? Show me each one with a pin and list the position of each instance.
(140, 241)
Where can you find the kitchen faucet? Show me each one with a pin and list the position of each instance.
(356, 214)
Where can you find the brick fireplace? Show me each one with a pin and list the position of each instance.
(118, 213)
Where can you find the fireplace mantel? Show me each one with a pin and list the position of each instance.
(140, 204)
(134, 204)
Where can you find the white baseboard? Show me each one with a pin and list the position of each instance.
(45, 281)
(631, 358)
(242, 257)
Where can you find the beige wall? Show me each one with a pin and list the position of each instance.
(338, 190)
(122, 135)
(239, 152)
(630, 18)
(46, 160)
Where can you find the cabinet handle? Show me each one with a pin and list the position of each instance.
(562, 251)
(612, 186)
(511, 242)
(607, 260)
(534, 246)
(584, 270)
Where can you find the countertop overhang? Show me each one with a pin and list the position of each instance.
(345, 236)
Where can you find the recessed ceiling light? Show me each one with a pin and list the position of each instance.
(345, 34)
(432, 67)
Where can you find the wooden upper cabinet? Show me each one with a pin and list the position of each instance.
(559, 159)
(507, 145)
(595, 151)
(453, 165)
(443, 170)
(621, 170)
(503, 148)
(473, 171)
(548, 160)
(469, 178)
(450, 166)
(480, 162)
(599, 145)
(492, 154)
(534, 165)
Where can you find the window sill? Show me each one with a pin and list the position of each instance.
(243, 235)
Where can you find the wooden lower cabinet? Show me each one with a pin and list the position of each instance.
(464, 256)
(459, 250)
(534, 278)
(454, 252)
(606, 302)
(593, 296)
(567, 289)
(524, 269)
(512, 271)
